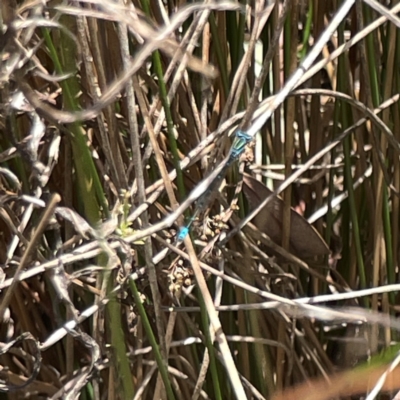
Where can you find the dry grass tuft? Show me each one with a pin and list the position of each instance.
(115, 119)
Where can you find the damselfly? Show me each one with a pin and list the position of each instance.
(237, 148)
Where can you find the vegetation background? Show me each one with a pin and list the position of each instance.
(111, 113)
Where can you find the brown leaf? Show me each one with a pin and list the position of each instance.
(305, 241)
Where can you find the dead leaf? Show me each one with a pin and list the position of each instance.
(305, 241)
